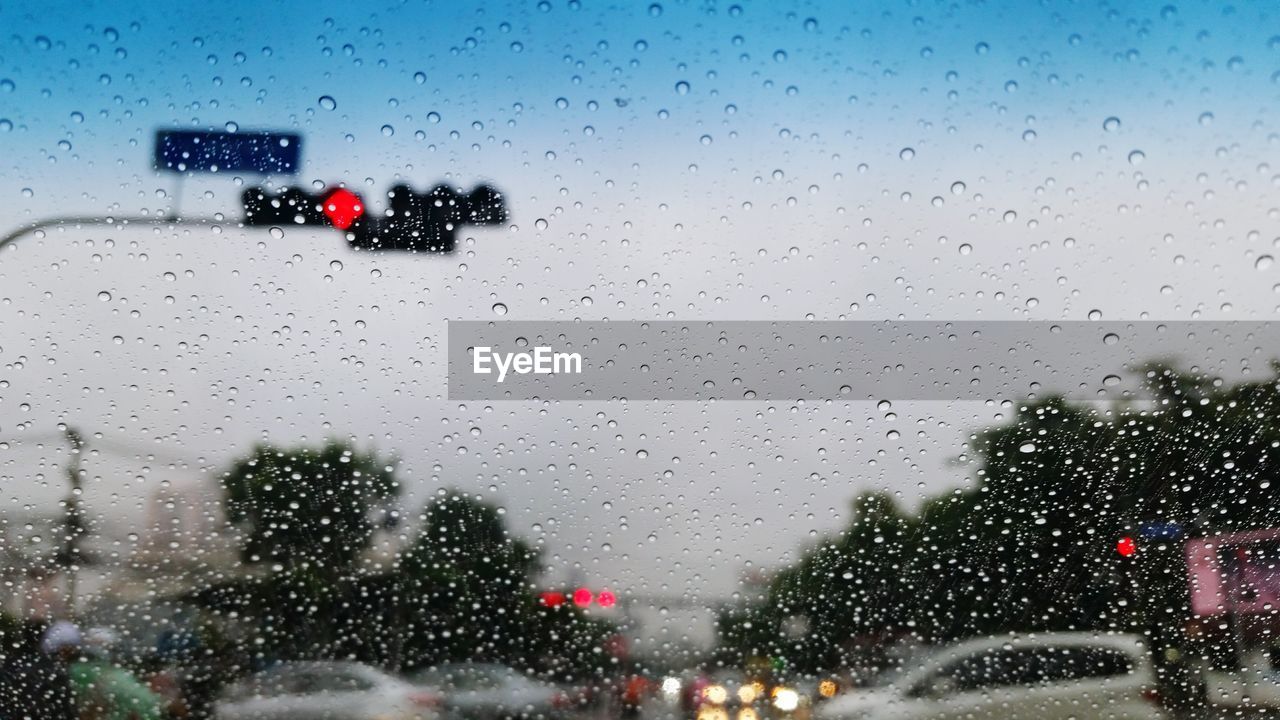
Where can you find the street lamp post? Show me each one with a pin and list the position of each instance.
(73, 518)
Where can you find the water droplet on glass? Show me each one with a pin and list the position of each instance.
(328, 103)
(499, 309)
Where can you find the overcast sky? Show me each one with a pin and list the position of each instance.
(665, 161)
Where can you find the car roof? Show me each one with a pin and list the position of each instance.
(324, 666)
(1129, 643)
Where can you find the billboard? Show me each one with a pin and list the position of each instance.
(264, 153)
(1236, 574)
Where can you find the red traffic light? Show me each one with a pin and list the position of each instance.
(606, 599)
(551, 599)
(1126, 546)
(582, 597)
(343, 208)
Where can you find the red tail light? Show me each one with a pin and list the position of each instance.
(1151, 695)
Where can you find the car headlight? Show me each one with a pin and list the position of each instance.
(786, 699)
(715, 694)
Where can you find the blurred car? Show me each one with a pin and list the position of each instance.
(1254, 683)
(1052, 676)
(732, 689)
(482, 691)
(325, 691)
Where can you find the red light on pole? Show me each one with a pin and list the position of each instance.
(1126, 546)
(606, 599)
(551, 599)
(582, 597)
(343, 208)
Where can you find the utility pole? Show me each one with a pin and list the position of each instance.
(70, 557)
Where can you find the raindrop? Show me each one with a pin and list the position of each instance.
(1111, 124)
(1027, 448)
(907, 153)
(1264, 262)
(499, 309)
(328, 103)
(1136, 157)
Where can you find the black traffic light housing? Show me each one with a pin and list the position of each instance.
(413, 222)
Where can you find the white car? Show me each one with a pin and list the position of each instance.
(482, 691)
(1049, 676)
(325, 691)
(1255, 684)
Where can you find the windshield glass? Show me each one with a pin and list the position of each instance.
(662, 352)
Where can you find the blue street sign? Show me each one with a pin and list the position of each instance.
(1160, 530)
(264, 153)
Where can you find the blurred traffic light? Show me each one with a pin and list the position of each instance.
(581, 597)
(343, 208)
(292, 206)
(1126, 546)
(414, 222)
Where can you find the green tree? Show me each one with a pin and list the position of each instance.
(473, 591)
(308, 507)
(1030, 545)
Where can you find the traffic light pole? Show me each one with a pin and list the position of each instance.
(73, 520)
(108, 221)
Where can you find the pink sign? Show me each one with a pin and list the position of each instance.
(1235, 574)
